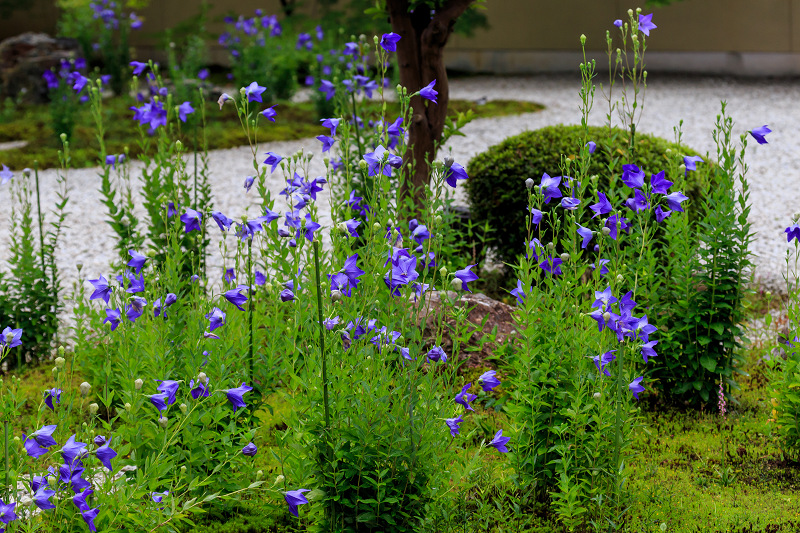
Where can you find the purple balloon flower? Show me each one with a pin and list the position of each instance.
(499, 442)
(254, 91)
(645, 24)
(250, 450)
(488, 381)
(635, 387)
(235, 396)
(464, 398)
(759, 134)
(453, 424)
(294, 498)
(389, 41)
(429, 93)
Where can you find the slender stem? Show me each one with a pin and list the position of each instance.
(325, 398)
(355, 122)
(8, 487)
(39, 213)
(250, 307)
(618, 417)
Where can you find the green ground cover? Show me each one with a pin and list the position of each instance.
(297, 121)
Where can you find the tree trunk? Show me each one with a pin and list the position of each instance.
(420, 55)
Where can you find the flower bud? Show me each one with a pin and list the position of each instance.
(60, 362)
(259, 475)
(606, 316)
(529, 183)
(55, 371)
(268, 286)
(242, 91)
(456, 284)
(26, 172)
(202, 377)
(565, 257)
(183, 470)
(138, 384)
(443, 272)
(85, 388)
(630, 12)
(63, 137)
(16, 440)
(93, 408)
(437, 219)
(61, 348)
(596, 395)
(184, 408)
(362, 165)
(583, 39)
(619, 278)
(336, 295)
(550, 245)
(376, 226)
(163, 421)
(606, 231)
(127, 406)
(279, 480)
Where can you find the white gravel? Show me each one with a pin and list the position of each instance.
(773, 171)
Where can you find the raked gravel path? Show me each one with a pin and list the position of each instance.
(774, 174)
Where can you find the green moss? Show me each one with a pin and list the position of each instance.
(295, 121)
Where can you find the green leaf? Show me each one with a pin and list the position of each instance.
(709, 363)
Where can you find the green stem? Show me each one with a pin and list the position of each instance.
(250, 307)
(8, 486)
(355, 122)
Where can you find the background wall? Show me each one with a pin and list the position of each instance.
(746, 37)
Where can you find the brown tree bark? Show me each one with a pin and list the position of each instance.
(420, 55)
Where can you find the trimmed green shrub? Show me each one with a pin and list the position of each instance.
(496, 184)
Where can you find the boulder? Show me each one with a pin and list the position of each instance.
(485, 315)
(25, 57)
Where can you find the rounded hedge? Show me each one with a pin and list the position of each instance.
(496, 184)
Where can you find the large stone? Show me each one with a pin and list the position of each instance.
(491, 324)
(25, 57)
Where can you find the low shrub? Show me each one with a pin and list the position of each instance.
(497, 175)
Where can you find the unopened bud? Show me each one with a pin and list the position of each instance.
(279, 480)
(437, 219)
(682, 167)
(60, 361)
(16, 440)
(529, 183)
(61, 348)
(583, 39)
(63, 137)
(202, 377)
(443, 272)
(93, 408)
(127, 406)
(550, 245)
(138, 384)
(606, 316)
(456, 283)
(184, 408)
(376, 226)
(565, 257)
(259, 475)
(362, 165)
(619, 278)
(183, 470)
(55, 371)
(606, 231)
(85, 388)
(163, 421)
(179, 145)
(596, 395)
(336, 296)
(268, 286)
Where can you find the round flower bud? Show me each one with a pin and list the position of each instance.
(455, 283)
(183, 470)
(630, 12)
(443, 272)
(550, 245)
(279, 480)
(127, 406)
(17, 440)
(437, 219)
(26, 172)
(202, 377)
(61, 350)
(606, 231)
(619, 278)
(268, 286)
(362, 165)
(184, 408)
(376, 226)
(138, 384)
(537, 188)
(606, 316)
(565, 257)
(55, 371)
(178, 145)
(596, 395)
(85, 388)
(336, 295)
(163, 421)
(529, 183)
(93, 408)
(583, 39)
(63, 137)
(60, 362)
(259, 475)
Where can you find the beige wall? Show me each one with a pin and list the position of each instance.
(531, 35)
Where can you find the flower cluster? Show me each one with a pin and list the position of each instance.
(487, 381)
(616, 316)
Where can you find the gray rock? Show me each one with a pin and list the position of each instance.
(23, 60)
